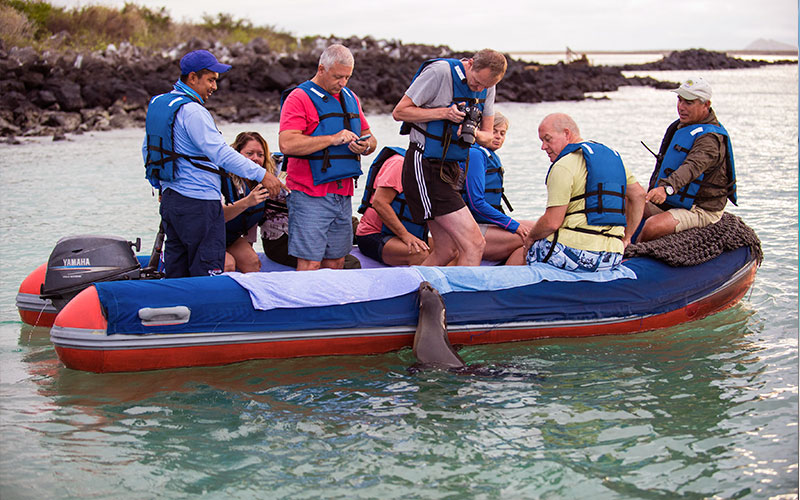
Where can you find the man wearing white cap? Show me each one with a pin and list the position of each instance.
(694, 175)
(184, 154)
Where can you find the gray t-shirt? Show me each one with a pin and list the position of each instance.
(433, 88)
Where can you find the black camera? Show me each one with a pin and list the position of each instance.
(471, 123)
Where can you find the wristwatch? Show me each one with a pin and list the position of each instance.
(669, 190)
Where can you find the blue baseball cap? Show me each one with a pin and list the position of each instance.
(201, 59)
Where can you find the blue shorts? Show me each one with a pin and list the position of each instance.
(371, 245)
(320, 227)
(572, 259)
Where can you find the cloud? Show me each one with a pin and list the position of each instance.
(515, 25)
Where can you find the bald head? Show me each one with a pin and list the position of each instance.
(561, 121)
(556, 131)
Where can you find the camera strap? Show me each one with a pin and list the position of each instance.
(446, 140)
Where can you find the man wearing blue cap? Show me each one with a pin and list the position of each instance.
(185, 155)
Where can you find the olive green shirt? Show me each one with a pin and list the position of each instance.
(707, 155)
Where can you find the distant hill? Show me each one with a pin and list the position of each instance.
(765, 45)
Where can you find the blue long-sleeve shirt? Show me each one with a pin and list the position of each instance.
(196, 134)
(475, 194)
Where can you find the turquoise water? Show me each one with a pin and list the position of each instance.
(705, 409)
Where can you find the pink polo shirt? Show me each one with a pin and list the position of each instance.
(391, 176)
(299, 113)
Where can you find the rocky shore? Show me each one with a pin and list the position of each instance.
(66, 92)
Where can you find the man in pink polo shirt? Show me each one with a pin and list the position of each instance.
(321, 122)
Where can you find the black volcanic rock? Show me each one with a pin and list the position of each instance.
(696, 59)
(48, 93)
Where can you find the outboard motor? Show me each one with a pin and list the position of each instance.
(78, 261)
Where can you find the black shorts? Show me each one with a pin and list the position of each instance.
(430, 186)
(372, 245)
(278, 251)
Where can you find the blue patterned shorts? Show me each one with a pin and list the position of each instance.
(571, 259)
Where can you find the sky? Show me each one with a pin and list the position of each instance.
(511, 25)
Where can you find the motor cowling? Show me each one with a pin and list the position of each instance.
(78, 261)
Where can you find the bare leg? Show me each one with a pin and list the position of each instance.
(245, 258)
(307, 265)
(444, 248)
(517, 257)
(650, 210)
(313, 265)
(456, 232)
(395, 253)
(230, 263)
(658, 226)
(332, 263)
(500, 243)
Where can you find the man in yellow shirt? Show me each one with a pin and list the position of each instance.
(593, 204)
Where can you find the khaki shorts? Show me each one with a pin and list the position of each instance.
(696, 217)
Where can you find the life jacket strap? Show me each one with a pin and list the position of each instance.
(407, 126)
(170, 156)
(502, 197)
(592, 231)
(338, 115)
(508, 203)
(552, 247)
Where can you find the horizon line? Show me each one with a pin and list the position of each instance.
(654, 51)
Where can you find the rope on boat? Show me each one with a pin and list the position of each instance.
(698, 245)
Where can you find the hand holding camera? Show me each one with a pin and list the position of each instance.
(471, 123)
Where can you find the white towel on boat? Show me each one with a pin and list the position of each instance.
(326, 287)
(459, 279)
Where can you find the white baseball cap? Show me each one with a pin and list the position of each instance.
(694, 88)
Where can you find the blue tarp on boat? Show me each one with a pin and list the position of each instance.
(329, 287)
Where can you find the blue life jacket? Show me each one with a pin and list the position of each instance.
(160, 164)
(241, 224)
(441, 138)
(680, 142)
(493, 185)
(606, 182)
(334, 162)
(398, 203)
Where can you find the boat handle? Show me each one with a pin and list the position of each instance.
(175, 315)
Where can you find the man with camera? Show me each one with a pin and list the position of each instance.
(448, 107)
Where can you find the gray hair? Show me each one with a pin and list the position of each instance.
(336, 54)
(500, 119)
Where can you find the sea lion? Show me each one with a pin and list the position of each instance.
(433, 349)
(432, 346)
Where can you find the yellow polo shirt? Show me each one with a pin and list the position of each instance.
(567, 180)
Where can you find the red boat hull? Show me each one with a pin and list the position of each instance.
(33, 310)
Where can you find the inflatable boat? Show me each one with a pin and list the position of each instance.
(149, 325)
(109, 313)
